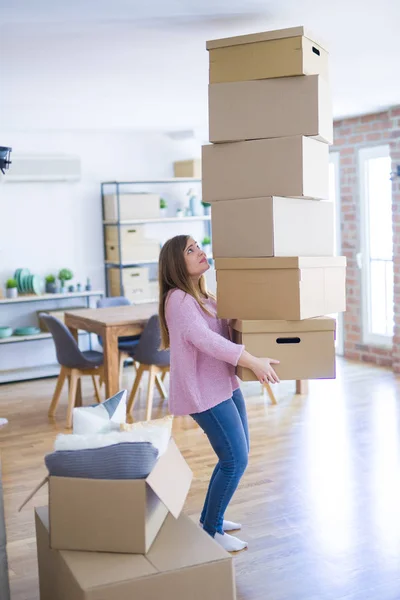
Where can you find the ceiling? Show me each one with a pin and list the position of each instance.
(130, 64)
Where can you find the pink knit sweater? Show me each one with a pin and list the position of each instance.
(203, 358)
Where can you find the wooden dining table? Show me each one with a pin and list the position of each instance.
(110, 324)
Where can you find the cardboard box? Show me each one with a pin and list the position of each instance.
(188, 168)
(305, 349)
(58, 313)
(295, 166)
(134, 280)
(132, 206)
(290, 289)
(279, 53)
(272, 226)
(117, 515)
(128, 234)
(184, 562)
(147, 250)
(270, 108)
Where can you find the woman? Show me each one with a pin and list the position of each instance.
(202, 380)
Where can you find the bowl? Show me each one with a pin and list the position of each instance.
(5, 332)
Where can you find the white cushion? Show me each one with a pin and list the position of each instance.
(100, 418)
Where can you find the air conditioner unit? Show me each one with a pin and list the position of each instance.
(43, 167)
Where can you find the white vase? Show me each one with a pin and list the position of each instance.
(179, 213)
(163, 213)
(12, 292)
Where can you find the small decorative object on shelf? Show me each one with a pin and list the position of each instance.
(11, 288)
(88, 285)
(51, 285)
(64, 275)
(194, 204)
(179, 213)
(207, 208)
(71, 289)
(206, 243)
(163, 208)
(78, 287)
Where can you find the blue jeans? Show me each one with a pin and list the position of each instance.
(226, 427)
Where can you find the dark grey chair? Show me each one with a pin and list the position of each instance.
(126, 345)
(74, 364)
(150, 359)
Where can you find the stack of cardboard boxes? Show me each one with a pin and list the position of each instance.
(125, 539)
(266, 174)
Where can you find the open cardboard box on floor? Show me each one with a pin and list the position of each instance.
(277, 53)
(295, 166)
(272, 226)
(117, 515)
(280, 288)
(305, 349)
(183, 563)
(270, 108)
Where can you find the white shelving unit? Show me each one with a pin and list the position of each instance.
(23, 309)
(119, 188)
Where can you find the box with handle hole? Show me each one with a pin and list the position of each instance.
(305, 349)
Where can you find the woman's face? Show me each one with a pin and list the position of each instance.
(195, 259)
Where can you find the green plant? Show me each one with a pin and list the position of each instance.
(65, 275)
(163, 203)
(206, 241)
(205, 204)
(11, 283)
(50, 279)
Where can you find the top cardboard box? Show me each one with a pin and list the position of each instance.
(104, 515)
(280, 53)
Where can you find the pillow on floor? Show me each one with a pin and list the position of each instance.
(119, 461)
(100, 418)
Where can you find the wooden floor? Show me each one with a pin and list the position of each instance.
(320, 501)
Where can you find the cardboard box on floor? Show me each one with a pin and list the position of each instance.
(295, 166)
(305, 349)
(270, 108)
(184, 562)
(278, 53)
(121, 516)
(272, 226)
(280, 288)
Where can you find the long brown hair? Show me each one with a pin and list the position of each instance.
(173, 274)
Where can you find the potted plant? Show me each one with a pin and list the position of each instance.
(206, 243)
(11, 288)
(64, 275)
(51, 286)
(207, 208)
(179, 212)
(163, 207)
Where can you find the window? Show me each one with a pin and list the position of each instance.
(376, 245)
(334, 196)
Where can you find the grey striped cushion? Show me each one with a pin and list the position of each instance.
(127, 460)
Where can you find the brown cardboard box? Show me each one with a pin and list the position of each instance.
(188, 168)
(184, 562)
(132, 206)
(270, 108)
(289, 288)
(278, 53)
(135, 282)
(295, 166)
(146, 250)
(272, 226)
(58, 313)
(117, 515)
(305, 349)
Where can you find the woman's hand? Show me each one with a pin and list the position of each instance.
(261, 367)
(263, 370)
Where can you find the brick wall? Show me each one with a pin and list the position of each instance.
(349, 136)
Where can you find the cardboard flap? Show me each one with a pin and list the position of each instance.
(264, 36)
(278, 262)
(30, 496)
(171, 479)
